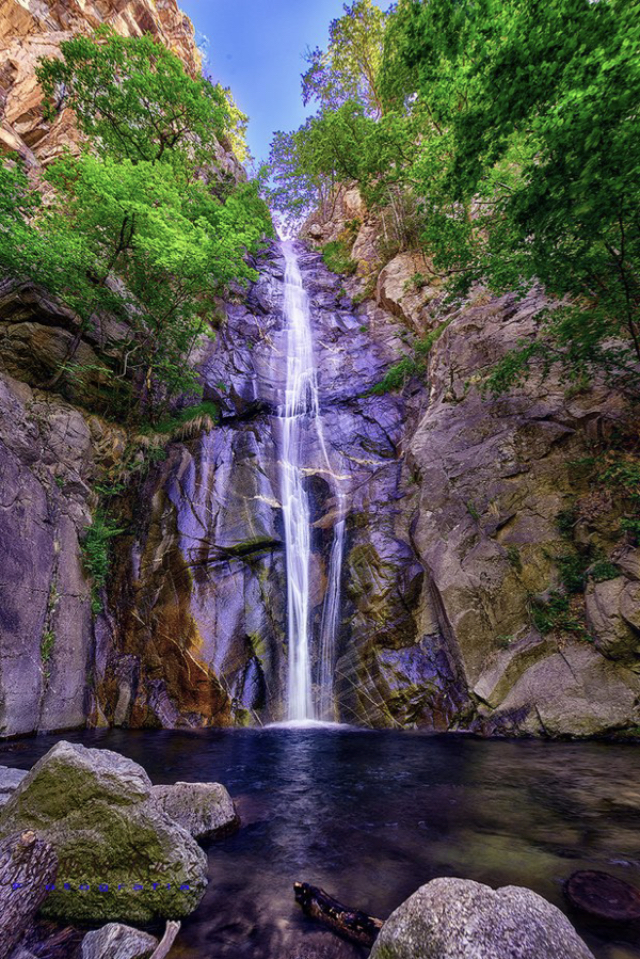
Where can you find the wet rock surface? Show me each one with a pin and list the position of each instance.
(493, 476)
(10, 779)
(46, 462)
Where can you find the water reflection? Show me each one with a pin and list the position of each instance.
(372, 816)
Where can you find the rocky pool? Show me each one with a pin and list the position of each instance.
(370, 816)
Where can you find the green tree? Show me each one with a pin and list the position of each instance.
(537, 104)
(134, 99)
(349, 68)
(132, 228)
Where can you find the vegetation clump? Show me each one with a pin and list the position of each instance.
(96, 554)
(337, 258)
(396, 376)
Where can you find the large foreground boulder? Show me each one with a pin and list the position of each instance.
(460, 919)
(121, 857)
(205, 810)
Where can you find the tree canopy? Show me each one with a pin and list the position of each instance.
(140, 224)
(509, 131)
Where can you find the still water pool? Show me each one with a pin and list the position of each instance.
(370, 816)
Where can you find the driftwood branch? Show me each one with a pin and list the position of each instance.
(350, 923)
(170, 933)
(27, 866)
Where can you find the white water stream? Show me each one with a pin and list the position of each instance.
(301, 406)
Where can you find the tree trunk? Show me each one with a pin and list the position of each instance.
(353, 924)
(27, 866)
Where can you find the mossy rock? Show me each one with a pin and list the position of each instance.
(121, 856)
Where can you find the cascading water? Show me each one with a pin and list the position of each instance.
(301, 404)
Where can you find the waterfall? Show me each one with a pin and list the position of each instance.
(301, 406)
(329, 627)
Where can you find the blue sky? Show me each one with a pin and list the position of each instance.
(255, 47)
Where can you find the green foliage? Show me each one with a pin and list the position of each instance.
(518, 90)
(336, 256)
(132, 227)
(513, 555)
(47, 646)
(396, 376)
(133, 98)
(500, 137)
(96, 553)
(473, 511)
(555, 613)
(349, 68)
(566, 521)
(415, 283)
(572, 567)
(603, 569)
(622, 475)
(631, 525)
(169, 424)
(424, 346)
(234, 137)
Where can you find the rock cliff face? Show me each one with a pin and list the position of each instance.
(491, 478)
(52, 451)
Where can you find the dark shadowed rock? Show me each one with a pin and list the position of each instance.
(461, 919)
(603, 895)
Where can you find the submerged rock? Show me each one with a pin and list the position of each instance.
(120, 856)
(603, 895)
(205, 810)
(116, 941)
(10, 779)
(461, 919)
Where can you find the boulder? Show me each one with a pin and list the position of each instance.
(461, 919)
(205, 810)
(405, 287)
(116, 941)
(613, 619)
(121, 858)
(10, 779)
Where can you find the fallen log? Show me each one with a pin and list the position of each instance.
(352, 924)
(27, 866)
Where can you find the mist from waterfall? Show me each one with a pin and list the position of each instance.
(302, 405)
